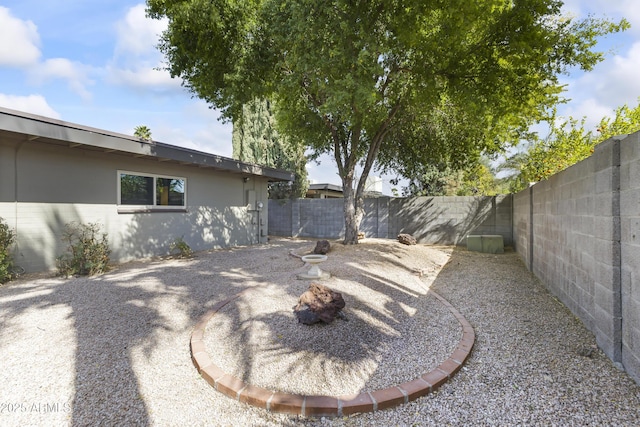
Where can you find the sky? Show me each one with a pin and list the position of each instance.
(95, 63)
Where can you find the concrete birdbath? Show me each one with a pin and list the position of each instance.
(314, 272)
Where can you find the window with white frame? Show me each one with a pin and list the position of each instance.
(151, 191)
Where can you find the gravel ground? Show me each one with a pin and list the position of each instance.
(114, 349)
(394, 330)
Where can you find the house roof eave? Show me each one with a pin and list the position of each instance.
(74, 135)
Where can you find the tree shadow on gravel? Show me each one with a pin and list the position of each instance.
(363, 342)
(131, 324)
(131, 310)
(105, 387)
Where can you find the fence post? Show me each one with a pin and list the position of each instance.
(383, 217)
(295, 217)
(617, 251)
(531, 259)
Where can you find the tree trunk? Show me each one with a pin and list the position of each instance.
(353, 213)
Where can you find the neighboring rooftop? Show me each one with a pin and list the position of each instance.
(372, 189)
(324, 191)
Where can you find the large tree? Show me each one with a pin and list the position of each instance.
(398, 82)
(255, 139)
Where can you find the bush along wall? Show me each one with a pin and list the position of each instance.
(87, 252)
(7, 237)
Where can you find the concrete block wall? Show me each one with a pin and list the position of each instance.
(579, 232)
(630, 252)
(522, 220)
(317, 218)
(448, 220)
(562, 250)
(306, 218)
(280, 217)
(436, 220)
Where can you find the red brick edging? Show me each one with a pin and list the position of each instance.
(330, 406)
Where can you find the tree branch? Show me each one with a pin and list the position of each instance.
(374, 148)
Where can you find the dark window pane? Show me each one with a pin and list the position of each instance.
(169, 192)
(136, 190)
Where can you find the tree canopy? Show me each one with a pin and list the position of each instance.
(567, 143)
(255, 139)
(142, 132)
(476, 179)
(391, 84)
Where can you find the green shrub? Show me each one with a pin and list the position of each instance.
(7, 237)
(180, 248)
(88, 250)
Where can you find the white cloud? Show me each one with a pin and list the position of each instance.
(621, 84)
(34, 104)
(201, 109)
(612, 9)
(19, 41)
(76, 74)
(326, 172)
(19, 47)
(627, 9)
(200, 130)
(214, 136)
(592, 110)
(142, 77)
(137, 34)
(165, 132)
(610, 85)
(136, 62)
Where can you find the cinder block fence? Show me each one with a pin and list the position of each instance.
(578, 232)
(433, 220)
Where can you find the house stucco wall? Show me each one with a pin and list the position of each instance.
(44, 186)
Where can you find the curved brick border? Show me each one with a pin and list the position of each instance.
(328, 405)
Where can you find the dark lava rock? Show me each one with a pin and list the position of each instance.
(322, 247)
(318, 303)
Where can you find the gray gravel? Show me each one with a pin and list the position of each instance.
(394, 330)
(113, 349)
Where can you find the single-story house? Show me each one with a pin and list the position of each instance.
(145, 194)
(324, 191)
(373, 189)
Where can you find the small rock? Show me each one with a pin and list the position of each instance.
(587, 351)
(322, 247)
(407, 239)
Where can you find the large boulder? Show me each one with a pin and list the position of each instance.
(318, 303)
(407, 239)
(322, 247)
